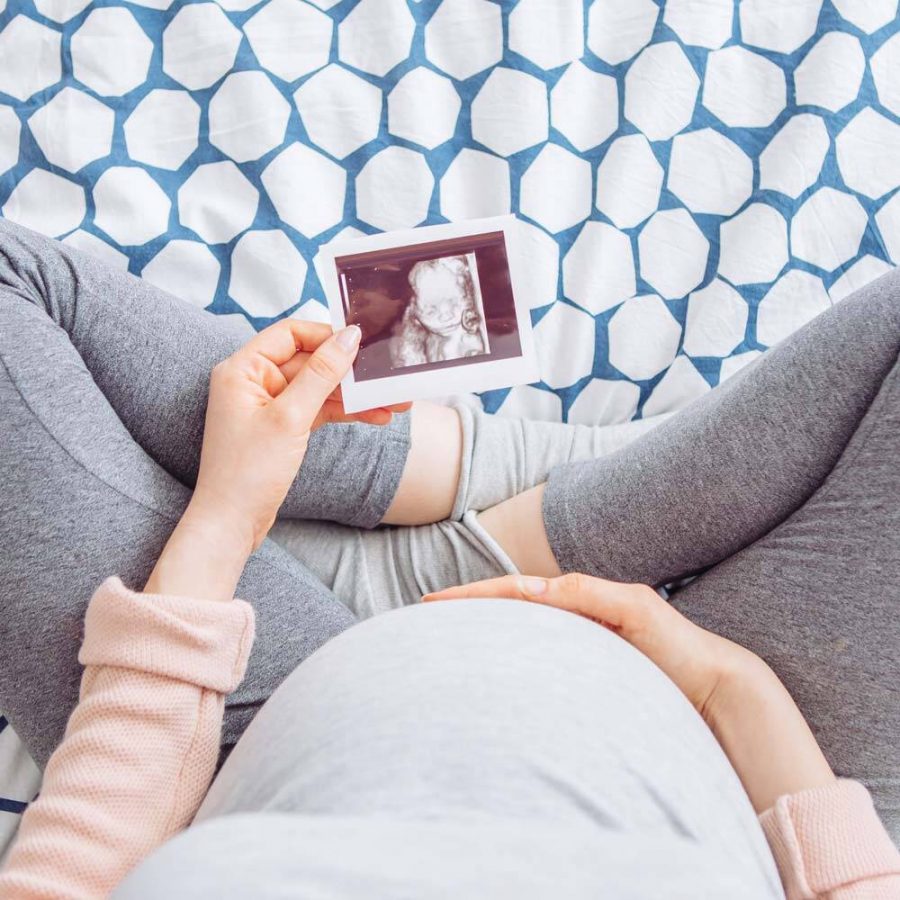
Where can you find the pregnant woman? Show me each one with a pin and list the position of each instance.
(546, 725)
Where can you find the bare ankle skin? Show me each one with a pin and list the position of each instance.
(427, 490)
(517, 525)
(430, 482)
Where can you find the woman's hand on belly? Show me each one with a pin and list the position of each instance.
(745, 705)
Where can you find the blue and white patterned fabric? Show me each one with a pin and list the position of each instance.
(694, 178)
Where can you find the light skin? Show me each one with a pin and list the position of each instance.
(427, 492)
(267, 399)
(264, 400)
(747, 708)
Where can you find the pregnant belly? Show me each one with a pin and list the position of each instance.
(488, 707)
(479, 704)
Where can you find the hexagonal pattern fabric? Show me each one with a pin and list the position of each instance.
(423, 108)
(163, 128)
(187, 269)
(87, 121)
(692, 180)
(111, 52)
(247, 116)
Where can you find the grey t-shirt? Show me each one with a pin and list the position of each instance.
(480, 748)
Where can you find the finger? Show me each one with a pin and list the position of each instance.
(280, 342)
(516, 587)
(294, 365)
(611, 602)
(259, 370)
(316, 381)
(373, 416)
(605, 601)
(333, 411)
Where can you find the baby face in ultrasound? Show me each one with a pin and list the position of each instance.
(439, 299)
(442, 320)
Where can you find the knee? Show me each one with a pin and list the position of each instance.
(879, 298)
(22, 314)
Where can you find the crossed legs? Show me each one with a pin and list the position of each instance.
(103, 384)
(104, 380)
(781, 490)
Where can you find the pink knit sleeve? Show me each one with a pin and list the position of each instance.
(141, 746)
(828, 842)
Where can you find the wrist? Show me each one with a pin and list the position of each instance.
(213, 526)
(204, 556)
(226, 511)
(747, 686)
(764, 734)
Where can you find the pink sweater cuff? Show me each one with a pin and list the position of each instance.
(828, 837)
(202, 642)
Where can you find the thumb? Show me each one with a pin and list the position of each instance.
(321, 374)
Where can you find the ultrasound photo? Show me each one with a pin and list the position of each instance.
(429, 306)
(436, 308)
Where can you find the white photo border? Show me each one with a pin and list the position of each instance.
(487, 375)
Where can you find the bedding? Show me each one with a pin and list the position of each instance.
(693, 179)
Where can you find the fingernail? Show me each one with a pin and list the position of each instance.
(534, 586)
(349, 337)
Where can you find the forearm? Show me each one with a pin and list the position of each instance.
(140, 747)
(829, 843)
(204, 556)
(824, 832)
(764, 735)
(118, 786)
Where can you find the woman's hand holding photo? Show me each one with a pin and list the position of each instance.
(750, 712)
(264, 402)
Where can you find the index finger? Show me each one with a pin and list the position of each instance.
(611, 602)
(505, 587)
(282, 341)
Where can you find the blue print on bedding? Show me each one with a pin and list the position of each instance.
(693, 180)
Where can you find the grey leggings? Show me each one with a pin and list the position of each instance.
(103, 382)
(781, 488)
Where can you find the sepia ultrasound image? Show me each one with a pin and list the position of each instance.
(429, 306)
